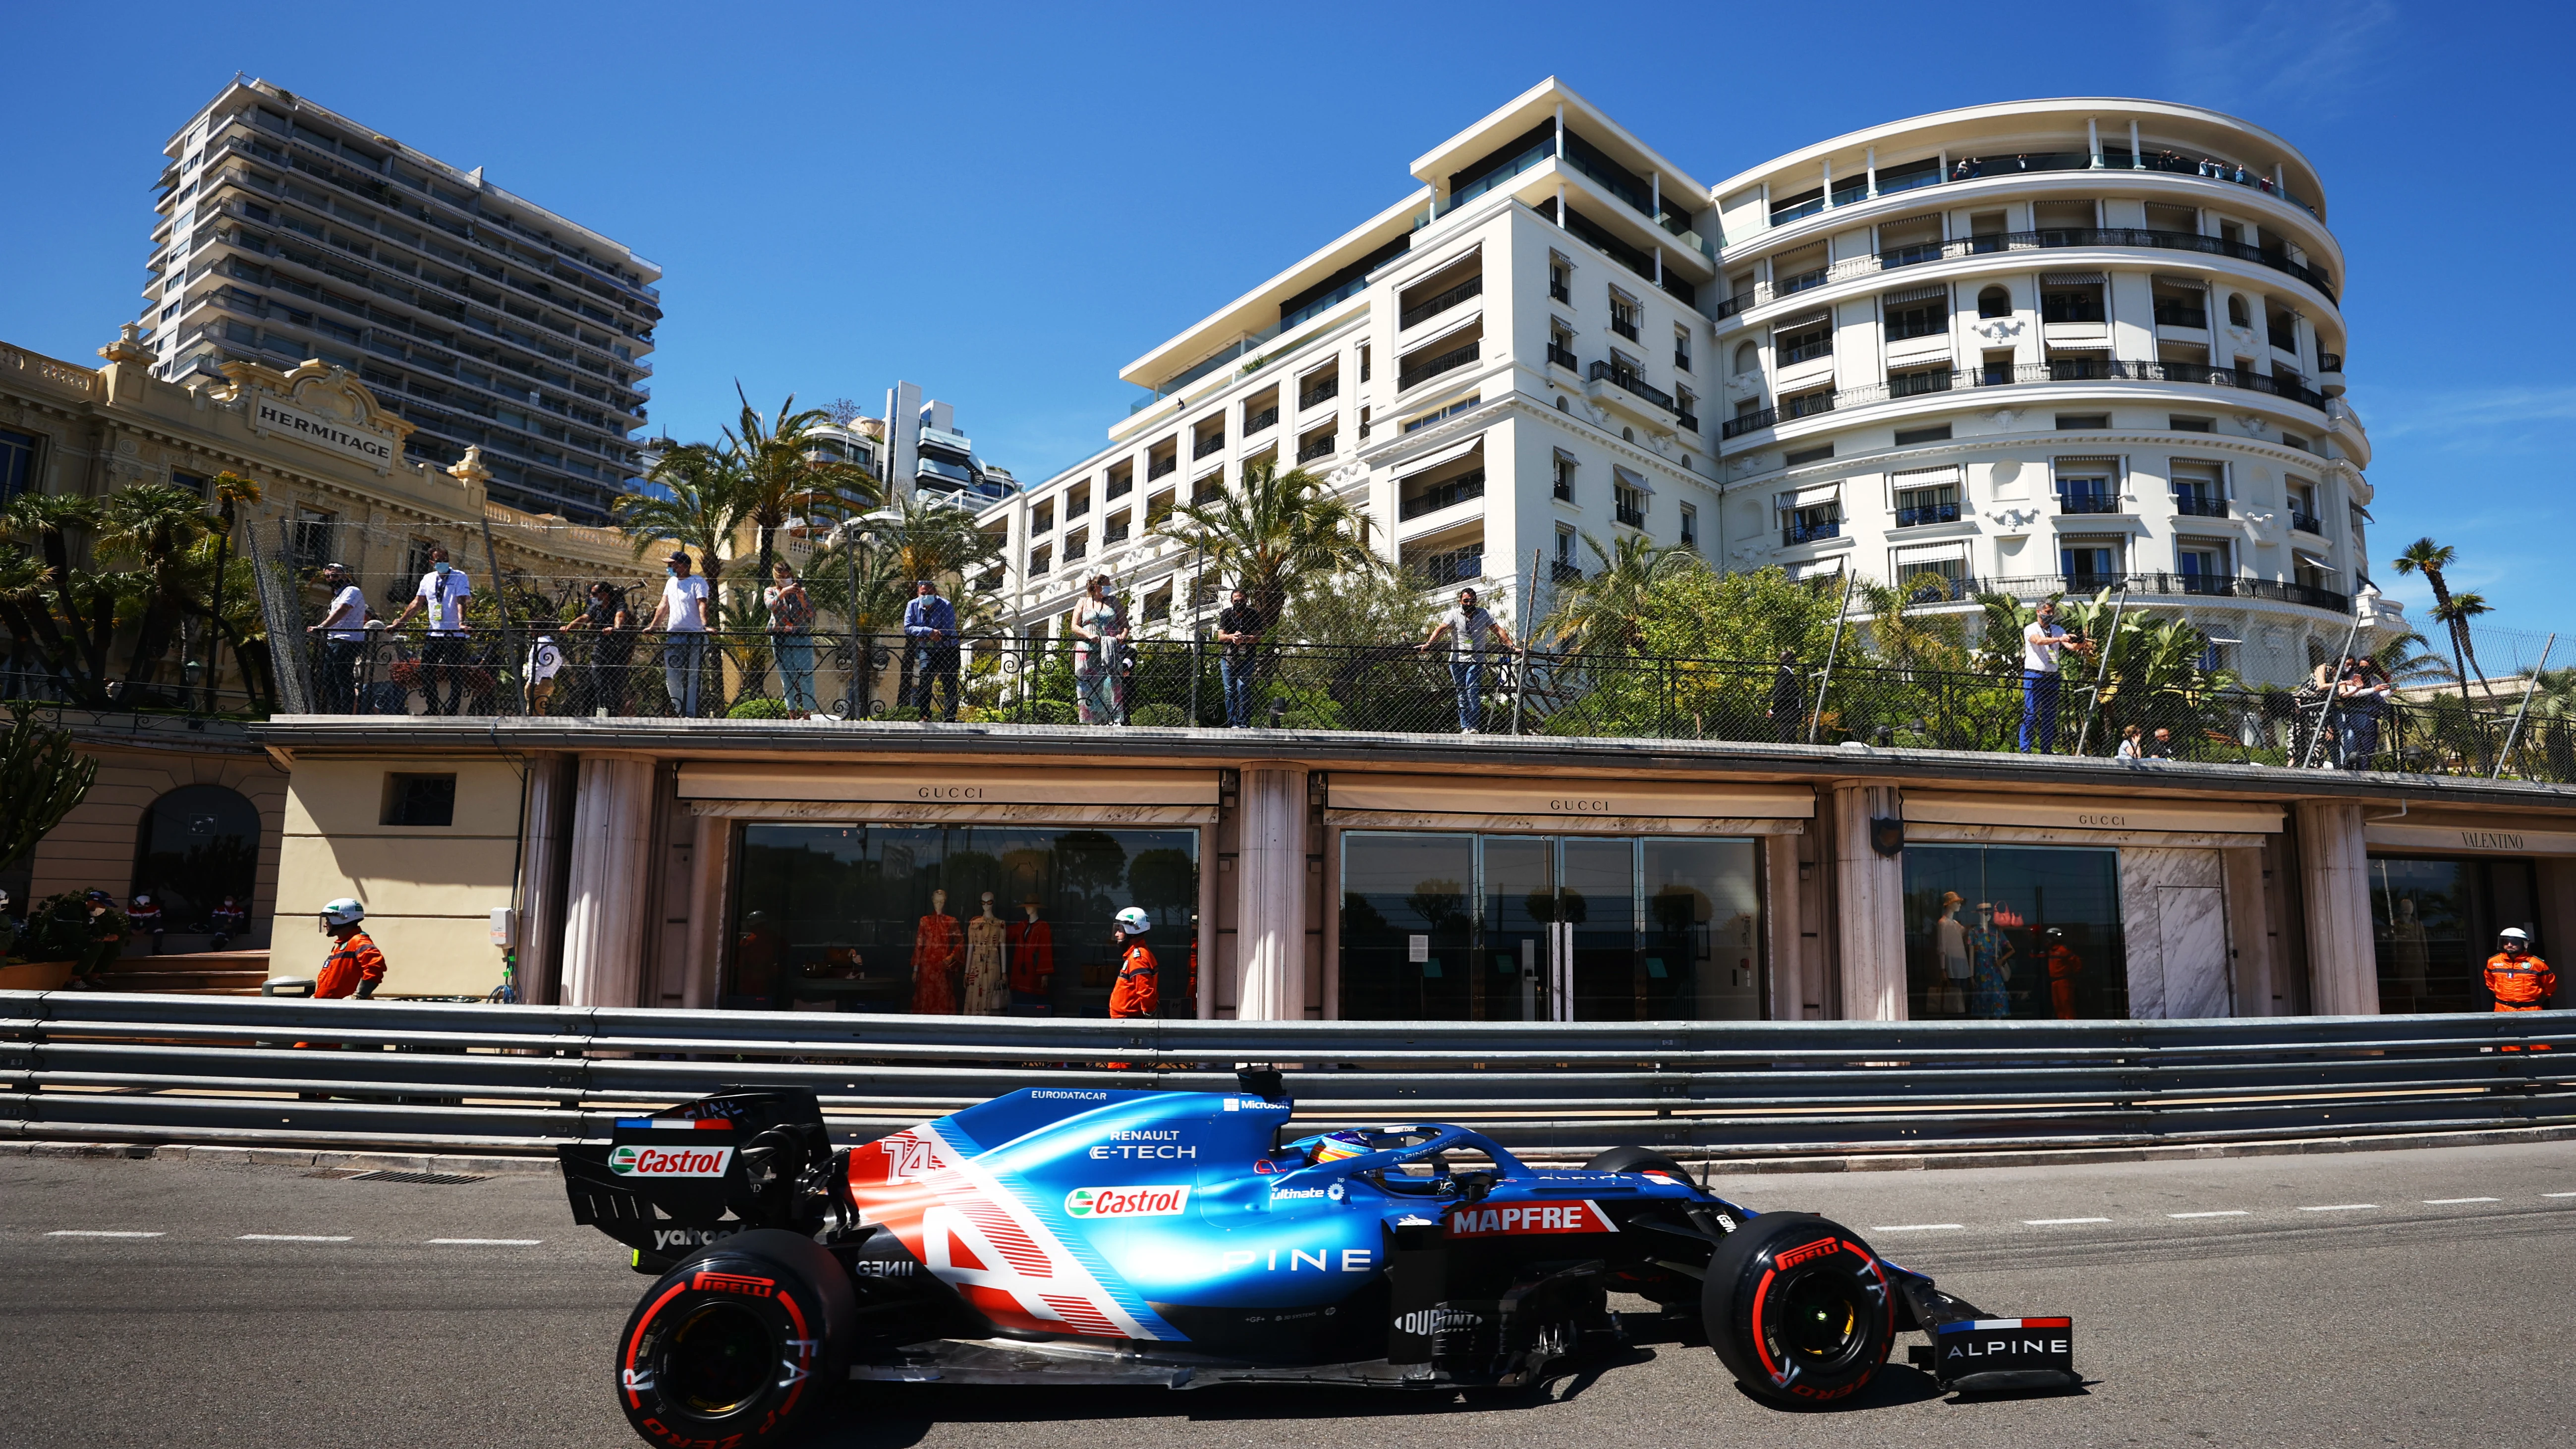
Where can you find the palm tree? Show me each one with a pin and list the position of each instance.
(75, 639)
(231, 489)
(1278, 527)
(2456, 611)
(157, 525)
(1602, 610)
(779, 478)
(2428, 558)
(703, 510)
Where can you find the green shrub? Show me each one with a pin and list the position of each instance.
(1161, 715)
(758, 709)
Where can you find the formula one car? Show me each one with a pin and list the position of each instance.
(1184, 1239)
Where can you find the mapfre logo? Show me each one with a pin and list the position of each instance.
(1585, 1216)
(636, 1161)
(1127, 1202)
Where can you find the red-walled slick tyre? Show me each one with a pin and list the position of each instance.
(1798, 1309)
(742, 1343)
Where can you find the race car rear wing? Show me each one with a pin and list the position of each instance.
(679, 1178)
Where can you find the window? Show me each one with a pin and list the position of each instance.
(2203, 560)
(1566, 570)
(1812, 523)
(2293, 440)
(1565, 477)
(1994, 302)
(1042, 518)
(1809, 341)
(2087, 485)
(1690, 526)
(1560, 278)
(1629, 504)
(196, 845)
(1682, 349)
(1427, 419)
(2436, 917)
(2036, 932)
(2237, 315)
(1748, 359)
(194, 482)
(1927, 503)
(2089, 564)
(1364, 362)
(1624, 314)
(2077, 303)
(1560, 344)
(1686, 405)
(1808, 455)
(1115, 529)
(1122, 479)
(313, 537)
(419, 799)
(1908, 437)
(2082, 422)
(2181, 424)
(1928, 317)
(17, 463)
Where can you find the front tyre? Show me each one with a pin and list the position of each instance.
(1798, 1309)
(740, 1343)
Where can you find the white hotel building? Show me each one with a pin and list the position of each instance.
(2032, 346)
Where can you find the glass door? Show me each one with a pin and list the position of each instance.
(1601, 973)
(1520, 948)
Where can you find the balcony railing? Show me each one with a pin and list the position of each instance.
(2199, 505)
(1447, 494)
(2301, 522)
(1557, 290)
(2329, 362)
(1321, 447)
(1157, 467)
(1424, 311)
(1563, 357)
(1688, 421)
(1458, 566)
(1630, 514)
(1630, 382)
(1798, 533)
(2088, 502)
(2182, 314)
(1207, 443)
(2044, 240)
(2101, 369)
(1074, 551)
(1076, 507)
(2162, 585)
(1267, 417)
(1322, 392)
(1919, 514)
(1625, 327)
(1560, 571)
(1412, 373)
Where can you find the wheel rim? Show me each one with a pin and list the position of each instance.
(1822, 1320)
(719, 1359)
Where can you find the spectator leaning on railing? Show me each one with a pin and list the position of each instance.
(683, 612)
(1239, 630)
(930, 644)
(1100, 637)
(1467, 628)
(604, 676)
(344, 640)
(443, 592)
(791, 639)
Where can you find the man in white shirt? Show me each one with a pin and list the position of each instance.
(683, 614)
(1468, 627)
(344, 641)
(2040, 680)
(443, 592)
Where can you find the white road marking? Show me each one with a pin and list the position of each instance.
(2058, 1222)
(2558, 1194)
(97, 1233)
(1920, 1228)
(2340, 1207)
(2223, 1213)
(288, 1238)
(489, 1242)
(2443, 1201)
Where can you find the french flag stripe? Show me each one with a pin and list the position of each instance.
(1966, 1325)
(676, 1124)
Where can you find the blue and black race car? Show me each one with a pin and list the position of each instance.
(1183, 1239)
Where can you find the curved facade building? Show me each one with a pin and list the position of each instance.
(2066, 344)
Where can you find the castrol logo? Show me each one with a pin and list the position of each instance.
(636, 1161)
(1127, 1202)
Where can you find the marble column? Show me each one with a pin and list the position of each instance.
(1270, 913)
(541, 859)
(2173, 918)
(2334, 885)
(1869, 907)
(604, 925)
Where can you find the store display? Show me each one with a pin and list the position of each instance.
(1949, 989)
(1031, 948)
(938, 951)
(985, 981)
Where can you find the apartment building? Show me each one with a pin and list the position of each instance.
(1509, 357)
(2071, 344)
(2107, 364)
(289, 231)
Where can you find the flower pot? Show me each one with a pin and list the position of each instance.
(35, 975)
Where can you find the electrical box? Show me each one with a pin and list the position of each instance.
(505, 926)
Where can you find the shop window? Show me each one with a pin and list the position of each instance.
(2029, 932)
(2434, 921)
(894, 918)
(419, 799)
(1544, 928)
(197, 845)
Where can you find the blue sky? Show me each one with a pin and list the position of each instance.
(1006, 204)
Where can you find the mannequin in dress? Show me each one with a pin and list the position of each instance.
(1949, 989)
(1032, 957)
(938, 947)
(985, 993)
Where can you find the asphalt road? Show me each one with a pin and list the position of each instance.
(2397, 1298)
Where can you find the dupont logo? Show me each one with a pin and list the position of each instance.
(634, 1161)
(735, 1283)
(1127, 1202)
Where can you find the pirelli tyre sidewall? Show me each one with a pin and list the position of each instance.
(740, 1343)
(1799, 1309)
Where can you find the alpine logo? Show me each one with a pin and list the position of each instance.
(635, 1161)
(1555, 1217)
(1127, 1202)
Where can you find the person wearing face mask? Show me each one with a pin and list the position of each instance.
(442, 592)
(344, 641)
(682, 612)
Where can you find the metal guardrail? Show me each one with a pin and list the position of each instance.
(440, 1077)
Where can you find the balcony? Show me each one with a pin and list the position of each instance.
(2086, 501)
(1688, 421)
(1630, 514)
(2329, 362)
(1157, 467)
(1625, 327)
(2048, 240)
(1207, 443)
(2304, 522)
(2181, 314)
(1629, 382)
(1917, 515)
(1074, 551)
(1075, 508)
(2040, 586)
(1458, 566)
(2100, 369)
(1267, 417)
(1424, 311)
(2199, 505)
(1318, 448)
(1798, 533)
(1447, 494)
(1411, 374)
(1322, 392)
(1563, 357)
(1556, 290)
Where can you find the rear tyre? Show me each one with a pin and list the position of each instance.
(741, 1342)
(1636, 1159)
(1798, 1309)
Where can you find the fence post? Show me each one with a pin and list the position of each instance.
(511, 656)
(1521, 669)
(2525, 708)
(289, 655)
(1842, 611)
(2326, 705)
(2101, 671)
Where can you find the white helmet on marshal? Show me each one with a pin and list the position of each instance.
(342, 912)
(1133, 921)
(2515, 934)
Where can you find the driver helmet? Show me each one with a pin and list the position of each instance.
(1133, 921)
(143, 900)
(1334, 1146)
(342, 912)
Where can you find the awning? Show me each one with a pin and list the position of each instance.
(1933, 552)
(2189, 284)
(2077, 344)
(1823, 568)
(1449, 454)
(1632, 478)
(2311, 560)
(1810, 497)
(2070, 279)
(1916, 294)
(2084, 465)
(1803, 319)
(1924, 477)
